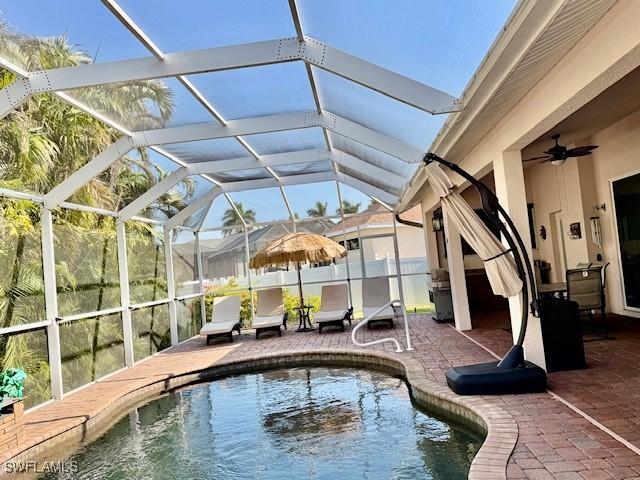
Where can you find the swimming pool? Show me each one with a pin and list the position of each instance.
(316, 423)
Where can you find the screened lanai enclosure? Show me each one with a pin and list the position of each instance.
(130, 170)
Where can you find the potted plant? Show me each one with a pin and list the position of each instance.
(11, 385)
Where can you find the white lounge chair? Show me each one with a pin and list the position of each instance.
(225, 318)
(334, 307)
(375, 294)
(270, 314)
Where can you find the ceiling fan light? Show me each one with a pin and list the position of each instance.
(558, 163)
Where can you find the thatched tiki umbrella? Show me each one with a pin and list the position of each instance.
(298, 247)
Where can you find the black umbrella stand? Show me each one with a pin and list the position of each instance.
(303, 310)
(512, 374)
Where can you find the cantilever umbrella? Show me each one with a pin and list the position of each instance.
(501, 269)
(298, 247)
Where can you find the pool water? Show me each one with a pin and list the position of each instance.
(301, 423)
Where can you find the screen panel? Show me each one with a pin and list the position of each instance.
(86, 262)
(210, 24)
(21, 281)
(257, 91)
(151, 332)
(90, 349)
(29, 352)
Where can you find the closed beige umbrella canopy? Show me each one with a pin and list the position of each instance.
(500, 266)
(298, 247)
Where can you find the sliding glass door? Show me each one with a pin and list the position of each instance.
(626, 195)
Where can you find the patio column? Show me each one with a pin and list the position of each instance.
(510, 190)
(457, 278)
(431, 241)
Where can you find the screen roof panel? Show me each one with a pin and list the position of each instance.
(376, 111)
(207, 150)
(87, 25)
(287, 141)
(176, 26)
(257, 91)
(437, 42)
(239, 175)
(303, 168)
(373, 156)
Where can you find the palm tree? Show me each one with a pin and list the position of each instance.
(318, 210)
(230, 218)
(41, 143)
(349, 207)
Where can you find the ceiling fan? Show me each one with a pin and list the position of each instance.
(558, 154)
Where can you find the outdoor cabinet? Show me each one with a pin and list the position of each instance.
(561, 334)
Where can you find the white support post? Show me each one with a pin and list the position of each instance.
(171, 286)
(125, 299)
(344, 239)
(400, 287)
(288, 205)
(247, 260)
(200, 277)
(457, 279)
(510, 190)
(51, 302)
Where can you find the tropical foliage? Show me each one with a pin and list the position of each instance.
(232, 217)
(349, 207)
(41, 144)
(318, 210)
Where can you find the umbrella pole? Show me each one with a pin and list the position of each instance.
(302, 311)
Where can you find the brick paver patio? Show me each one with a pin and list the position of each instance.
(554, 441)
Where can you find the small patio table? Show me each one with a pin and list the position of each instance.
(305, 318)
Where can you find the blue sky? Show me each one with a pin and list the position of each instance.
(438, 42)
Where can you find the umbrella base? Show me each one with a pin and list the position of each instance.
(491, 379)
(305, 329)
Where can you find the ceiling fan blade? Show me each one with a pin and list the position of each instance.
(541, 157)
(580, 151)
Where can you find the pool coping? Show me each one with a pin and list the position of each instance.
(490, 461)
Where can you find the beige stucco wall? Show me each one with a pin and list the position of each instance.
(618, 155)
(574, 189)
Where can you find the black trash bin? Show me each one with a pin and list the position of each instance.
(561, 334)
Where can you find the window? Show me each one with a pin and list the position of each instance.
(352, 244)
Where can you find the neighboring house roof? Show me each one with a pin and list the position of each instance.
(261, 236)
(372, 216)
